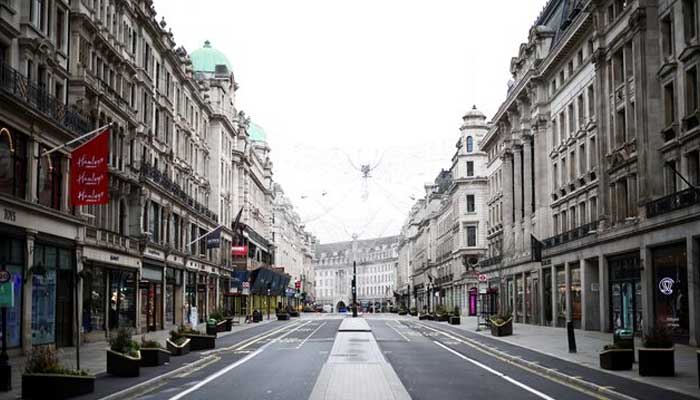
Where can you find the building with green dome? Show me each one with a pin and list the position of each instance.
(256, 133)
(207, 59)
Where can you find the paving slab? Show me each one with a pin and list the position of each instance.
(354, 325)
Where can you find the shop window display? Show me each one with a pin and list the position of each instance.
(576, 296)
(94, 291)
(671, 290)
(12, 256)
(561, 296)
(122, 300)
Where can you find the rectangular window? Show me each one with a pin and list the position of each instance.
(671, 178)
(621, 121)
(694, 167)
(471, 206)
(572, 120)
(49, 179)
(563, 171)
(582, 159)
(632, 205)
(470, 168)
(555, 176)
(690, 18)
(60, 29)
(564, 222)
(572, 165)
(574, 221)
(555, 224)
(581, 109)
(666, 36)
(471, 236)
(591, 102)
(618, 68)
(562, 127)
(555, 134)
(582, 213)
(669, 104)
(592, 153)
(594, 209)
(691, 90)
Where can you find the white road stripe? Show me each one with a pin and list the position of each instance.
(493, 371)
(397, 331)
(234, 365)
(307, 338)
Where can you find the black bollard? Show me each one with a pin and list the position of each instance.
(570, 335)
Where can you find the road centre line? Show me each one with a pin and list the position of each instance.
(493, 371)
(397, 331)
(307, 338)
(246, 342)
(234, 365)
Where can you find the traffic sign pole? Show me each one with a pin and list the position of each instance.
(5, 369)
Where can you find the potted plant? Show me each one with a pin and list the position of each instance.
(413, 311)
(501, 325)
(123, 356)
(403, 311)
(152, 353)
(656, 356)
(616, 357)
(282, 314)
(177, 344)
(216, 323)
(441, 313)
(454, 318)
(198, 341)
(45, 378)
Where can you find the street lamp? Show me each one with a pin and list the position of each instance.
(269, 285)
(354, 289)
(5, 368)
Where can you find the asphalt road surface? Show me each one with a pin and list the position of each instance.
(432, 361)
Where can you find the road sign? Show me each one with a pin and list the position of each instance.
(482, 278)
(5, 276)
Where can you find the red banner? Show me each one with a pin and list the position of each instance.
(239, 251)
(89, 169)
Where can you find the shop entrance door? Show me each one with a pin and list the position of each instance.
(625, 293)
(64, 308)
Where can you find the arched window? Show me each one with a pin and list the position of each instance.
(470, 144)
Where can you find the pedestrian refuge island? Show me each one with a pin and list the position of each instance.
(354, 325)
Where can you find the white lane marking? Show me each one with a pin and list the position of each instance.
(397, 331)
(247, 342)
(307, 338)
(493, 371)
(232, 366)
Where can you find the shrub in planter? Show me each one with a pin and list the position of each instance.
(425, 317)
(123, 356)
(198, 341)
(177, 344)
(616, 357)
(455, 320)
(656, 356)
(413, 311)
(403, 311)
(152, 353)
(282, 314)
(501, 325)
(45, 378)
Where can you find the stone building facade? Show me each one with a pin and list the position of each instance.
(597, 143)
(446, 235)
(183, 160)
(377, 262)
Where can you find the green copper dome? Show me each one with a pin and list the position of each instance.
(207, 58)
(256, 133)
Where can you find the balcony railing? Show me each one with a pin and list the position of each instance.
(170, 186)
(672, 202)
(574, 234)
(37, 98)
(490, 261)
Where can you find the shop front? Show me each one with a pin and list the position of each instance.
(173, 296)
(625, 290)
(190, 296)
(213, 303)
(151, 292)
(12, 258)
(670, 288)
(201, 298)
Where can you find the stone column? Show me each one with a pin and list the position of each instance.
(517, 197)
(693, 253)
(508, 202)
(648, 285)
(603, 295)
(527, 183)
(567, 284)
(524, 297)
(554, 295)
(585, 284)
(540, 295)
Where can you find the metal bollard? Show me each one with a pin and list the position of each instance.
(570, 335)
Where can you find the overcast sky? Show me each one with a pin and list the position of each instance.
(338, 84)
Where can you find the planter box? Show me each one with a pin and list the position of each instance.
(119, 364)
(656, 362)
(442, 318)
(283, 317)
(413, 313)
(154, 357)
(504, 329)
(56, 386)
(404, 312)
(454, 320)
(229, 323)
(219, 327)
(425, 317)
(294, 314)
(201, 342)
(617, 359)
(176, 350)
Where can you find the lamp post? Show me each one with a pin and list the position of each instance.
(5, 368)
(354, 289)
(268, 301)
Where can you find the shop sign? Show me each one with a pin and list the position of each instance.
(89, 184)
(9, 215)
(666, 286)
(482, 278)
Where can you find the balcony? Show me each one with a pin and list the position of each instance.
(672, 202)
(16, 85)
(173, 188)
(490, 261)
(574, 234)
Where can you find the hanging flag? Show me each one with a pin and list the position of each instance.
(214, 238)
(89, 183)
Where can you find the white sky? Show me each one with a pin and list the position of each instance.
(365, 80)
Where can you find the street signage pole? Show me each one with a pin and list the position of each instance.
(354, 289)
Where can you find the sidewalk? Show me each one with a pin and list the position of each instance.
(553, 342)
(93, 357)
